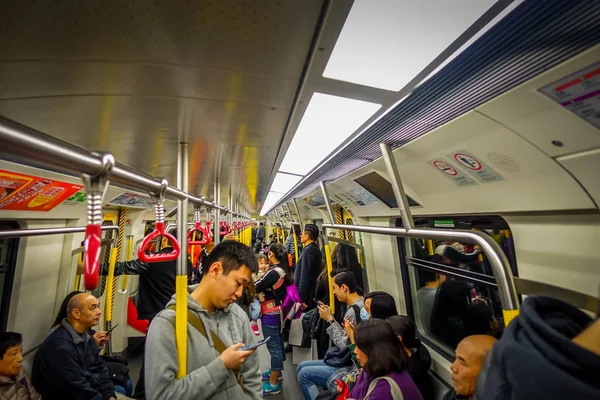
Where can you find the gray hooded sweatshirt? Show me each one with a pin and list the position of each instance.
(207, 377)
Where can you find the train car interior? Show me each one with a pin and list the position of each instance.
(443, 144)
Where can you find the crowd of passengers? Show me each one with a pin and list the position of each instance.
(366, 350)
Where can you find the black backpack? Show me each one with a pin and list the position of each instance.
(117, 369)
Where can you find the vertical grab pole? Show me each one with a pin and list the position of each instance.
(295, 244)
(217, 226)
(125, 279)
(326, 197)
(327, 249)
(110, 294)
(182, 279)
(298, 213)
(392, 168)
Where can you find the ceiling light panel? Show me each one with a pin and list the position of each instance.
(327, 122)
(386, 43)
(284, 182)
(270, 201)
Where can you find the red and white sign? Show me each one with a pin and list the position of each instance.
(467, 161)
(445, 167)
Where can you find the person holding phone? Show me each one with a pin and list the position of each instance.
(216, 367)
(274, 286)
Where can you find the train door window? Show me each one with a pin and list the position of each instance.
(450, 289)
(8, 260)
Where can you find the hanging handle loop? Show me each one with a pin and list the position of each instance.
(95, 187)
(159, 231)
(198, 228)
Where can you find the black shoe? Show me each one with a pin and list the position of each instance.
(288, 348)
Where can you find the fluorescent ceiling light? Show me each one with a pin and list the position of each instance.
(386, 43)
(327, 122)
(284, 182)
(270, 201)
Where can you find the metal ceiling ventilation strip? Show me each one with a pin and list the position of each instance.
(535, 37)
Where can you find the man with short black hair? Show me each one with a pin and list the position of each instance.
(470, 355)
(217, 368)
(308, 268)
(13, 384)
(68, 364)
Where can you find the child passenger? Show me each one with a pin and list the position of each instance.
(263, 266)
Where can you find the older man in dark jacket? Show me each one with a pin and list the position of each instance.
(308, 267)
(68, 364)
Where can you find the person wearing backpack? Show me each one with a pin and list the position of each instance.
(217, 366)
(274, 285)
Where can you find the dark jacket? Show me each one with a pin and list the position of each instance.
(157, 282)
(260, 235)
(536, 358)
(68, 366)
(306, 273)
(418, 369)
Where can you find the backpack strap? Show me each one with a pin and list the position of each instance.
(356, 309)
(197, 323)
(394, 388)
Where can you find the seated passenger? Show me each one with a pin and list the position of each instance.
(379, 305)
(118, 371)
(316, 373)
(384, 364)
(429, 283)
(216, 369)
(550, 351)
(419, 359)
(13, 384)
(68, 364)
(470, 355)
(479, 320)
(100, 337)
(449, 310)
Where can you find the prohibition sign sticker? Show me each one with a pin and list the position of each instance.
(445, 168)
(467, 161)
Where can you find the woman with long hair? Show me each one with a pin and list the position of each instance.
(384, 364)
(419, 359)
(274, 286)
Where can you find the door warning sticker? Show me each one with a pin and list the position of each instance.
(456, 176)
(475, 167)
(579, 93)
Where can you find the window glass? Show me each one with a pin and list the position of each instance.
(104, 258)
(452, 288)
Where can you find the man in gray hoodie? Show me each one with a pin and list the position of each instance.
(210, 374)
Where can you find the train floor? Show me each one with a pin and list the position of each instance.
(289, 388)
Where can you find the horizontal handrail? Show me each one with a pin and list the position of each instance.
(498, 261)
(452, 271)
(24, 145)
(347, 243)
(16, 233)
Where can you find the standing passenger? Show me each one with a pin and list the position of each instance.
(274, 286)
(13, 384)
(212, 372)
(289, 243)
(309, 266)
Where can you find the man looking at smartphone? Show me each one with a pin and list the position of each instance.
(217, 368)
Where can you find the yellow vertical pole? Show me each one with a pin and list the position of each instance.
(110, 279)
(181, 323)
(77, 284)
(295, 246)
(429, 243)
(329, 278)
(125, 279)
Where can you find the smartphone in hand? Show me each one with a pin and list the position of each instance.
(255, 345)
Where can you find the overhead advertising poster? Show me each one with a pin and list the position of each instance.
(359, 197)
(132, 200)
(579, 93)
(76, 199)
(30, 193)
